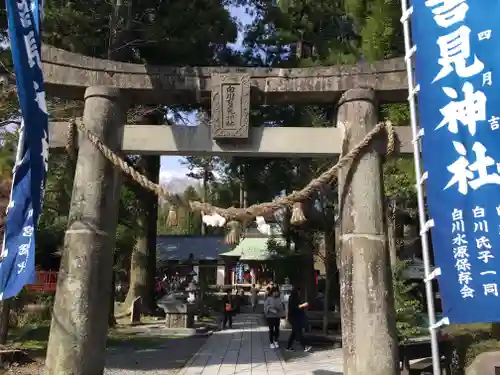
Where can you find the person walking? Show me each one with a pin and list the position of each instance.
(241, 300)
(269, 289)
(227, 302)
(296, 318)
(254, 293)
(274, 310)
(236, 302)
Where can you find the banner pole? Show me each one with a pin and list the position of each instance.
(424, 225)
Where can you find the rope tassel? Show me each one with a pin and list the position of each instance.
(172, 217)
(298, 216)
(234, 234)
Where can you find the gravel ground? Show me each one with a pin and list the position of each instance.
(165, 359)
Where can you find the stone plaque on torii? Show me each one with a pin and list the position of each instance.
(109, 88)
(230, 106)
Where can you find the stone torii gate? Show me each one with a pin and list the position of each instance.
(109, 88)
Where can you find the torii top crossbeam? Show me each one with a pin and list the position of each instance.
(68, 74)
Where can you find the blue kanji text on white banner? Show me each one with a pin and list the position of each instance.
(17, 267)
(457, 66)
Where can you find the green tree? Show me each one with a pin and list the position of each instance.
(8, 142)
(153, 32)
(311, 33)
(202, 169)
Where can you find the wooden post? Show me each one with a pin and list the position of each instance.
(77, 342)
(4, 320)
(368, 320)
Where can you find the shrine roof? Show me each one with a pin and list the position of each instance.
(255, 248)
(180, 247)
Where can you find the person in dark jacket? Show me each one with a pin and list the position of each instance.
(239, 301)
(268, 290)
(296, 318)
(254, 296)
(227, 303)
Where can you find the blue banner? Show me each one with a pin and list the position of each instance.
(17, 267)
(456, 63)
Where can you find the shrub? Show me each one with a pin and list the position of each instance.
(31, 308)
(408, 308)
(468, 342)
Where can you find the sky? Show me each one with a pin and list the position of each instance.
(171, 166)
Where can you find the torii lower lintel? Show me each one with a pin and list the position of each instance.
(261, 142)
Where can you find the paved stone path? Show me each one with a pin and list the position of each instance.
(244, 350)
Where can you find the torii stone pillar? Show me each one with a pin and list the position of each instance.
(368, 320)
(77, 342)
